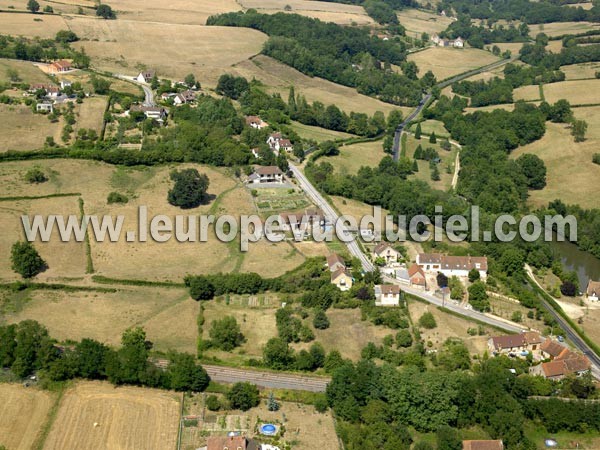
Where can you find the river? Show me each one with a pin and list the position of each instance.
(585, 264)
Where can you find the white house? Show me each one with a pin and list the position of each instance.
(387, 295)
(157, 113)
(45, 107)
(145, 77)
(452, 265)
(458, 42)
(593, 290)
(64, 84)
(266, 174)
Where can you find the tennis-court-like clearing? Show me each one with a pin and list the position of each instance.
(23, 412)
(446, 62)
(101, 416)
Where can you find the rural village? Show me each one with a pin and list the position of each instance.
(303, 113)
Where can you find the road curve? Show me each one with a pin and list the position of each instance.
(148, 94)
(269, 380)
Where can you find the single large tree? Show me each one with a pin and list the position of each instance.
(33, 6)
(105, 12)
(190, 188)
(225, 334)
(243, 396)
(534, 170)
(26, 261)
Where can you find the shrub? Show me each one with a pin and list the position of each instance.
(427, 321)
(321, 321)
(213, 403)
(321, 404)
(115, 197)
(225, 334)
(35, 175)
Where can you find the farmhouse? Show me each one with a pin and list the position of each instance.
(482, 445)
(232, 443)
(51, 90)
(60, 66)
(342, 279)
(456, 43)
(151, 112)
(387, 295)
(45, 106)
(387, 252)
(256, 122)
(285, 145)
(145, 77)
(184, 97)
(516, 345)
(452, 265)
(593, 290)
(563, 362)
(552, 350)
(266, 174)
(417, 276)
(402, 275)
(335, 262)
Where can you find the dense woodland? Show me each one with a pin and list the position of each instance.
(478, 36)
(524, 10)
(345, 55)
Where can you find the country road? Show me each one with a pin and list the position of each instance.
(318, 199)
(269, 380)
(148, 94)
(570, 332)
(423, 102)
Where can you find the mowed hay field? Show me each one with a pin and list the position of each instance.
(527, 93)
(194, 12)
(145, 186)
(278, 77)
(90, 114)
(571, 177)
(581, 71)
(578, 92)
(317, 133)
(353, 157)
(31, 25)
(418, 21)
(23, 412)
(22, 129)
(64, 259)
(173, 50)
(127, 418)
(342, 14)
(446, 62)
(28, 73)
(560, 28)
(167, 314)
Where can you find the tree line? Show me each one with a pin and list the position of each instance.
(43, 50)
(27, 348)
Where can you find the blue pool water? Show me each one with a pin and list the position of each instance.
(268, 429)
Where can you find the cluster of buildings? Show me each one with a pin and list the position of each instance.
(53, 94)
(278, 143)
(440, 42)
(180, 98)
(450, 266)
(559, 361)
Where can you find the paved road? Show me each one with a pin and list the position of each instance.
(454, 307)
(332, 214)
(417, 111)
(267, 380)
(148, 94)
(571, 334)
(400, 128)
